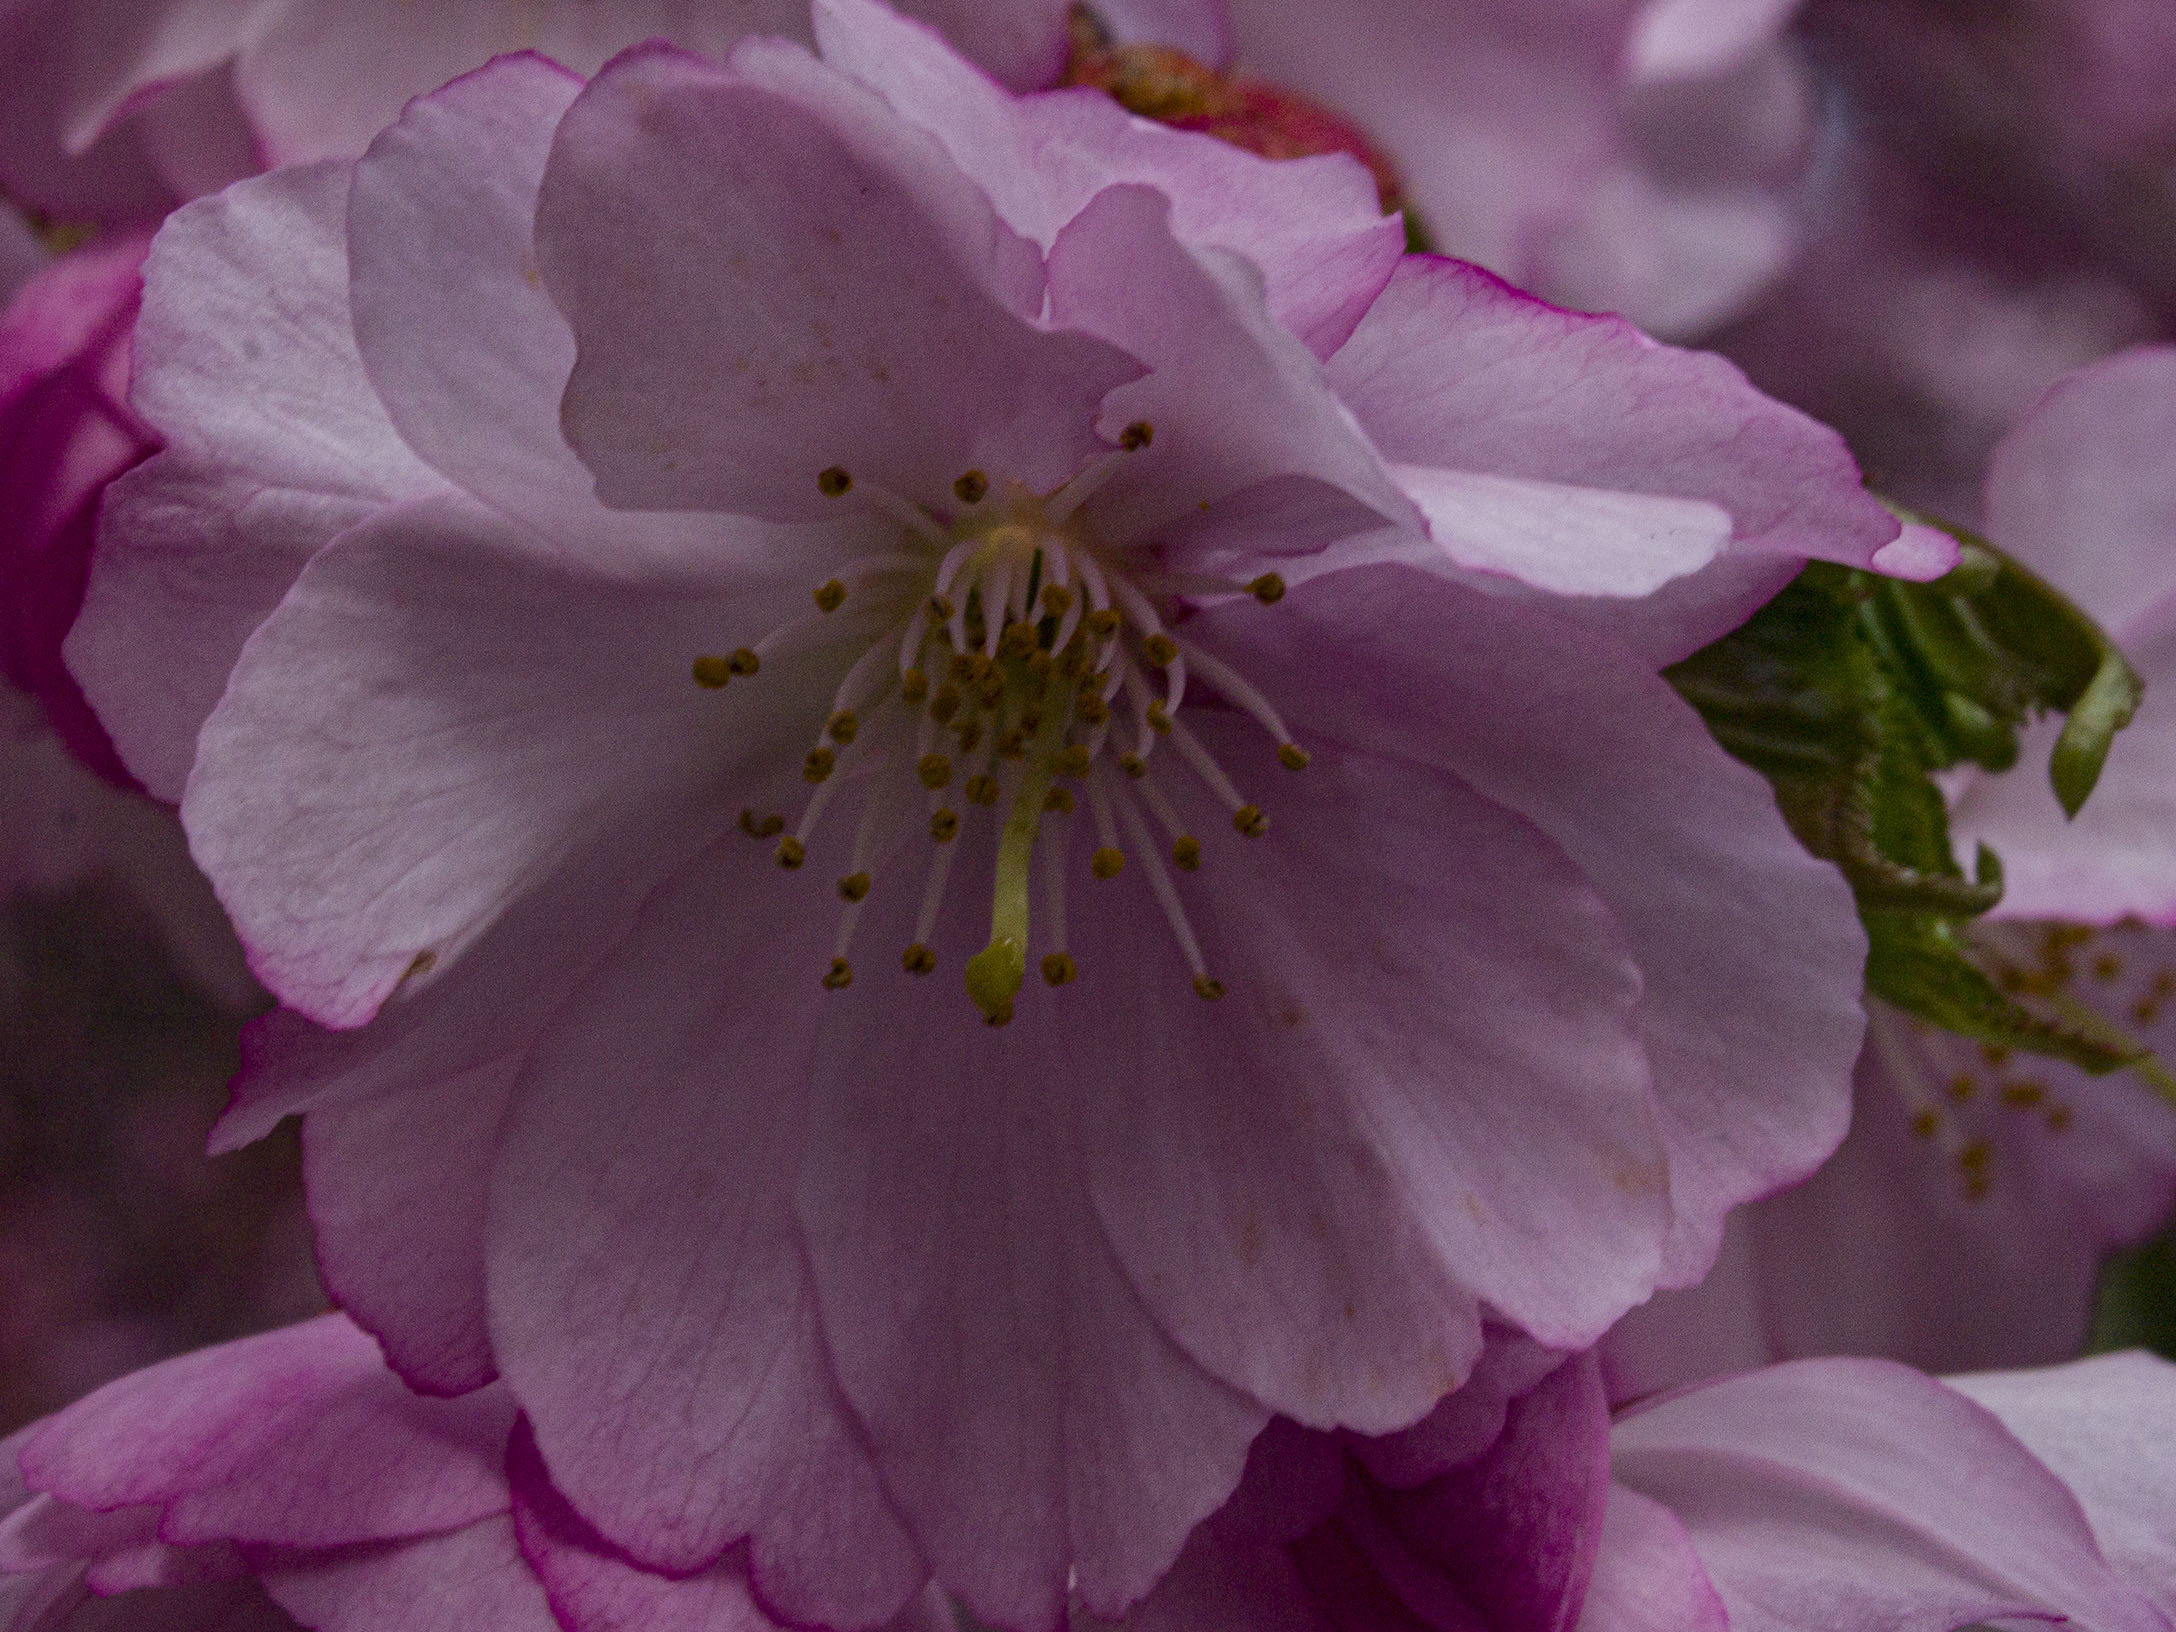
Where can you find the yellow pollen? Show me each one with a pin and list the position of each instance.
(1013, 744)
(839, 976)
(918, 959)
(944, 824)
(1018, 639)
(819, 765)
(830, 595)
(1158, 717)
(945, 704)
(913, 687)
(1268, 589)
(1059, 801)
(991, 690)
(1107, 862)
(1159, 650)
(1057, 600)
(2107, 966)
(1090, 708)
(842, 726)
(1137, 436)
(1926, 1124)
(1133, 765)
(1208, 987)
(1292, 756)
(2024, 1096)
(1041, 663)
(970, 732)
(1058, 968)
(1186, 852)
(791, 852)
(1250, 821)
(744, 660)
(833, 483)
(761, 827)
(1073, 759)
(935, 771)
(1962, 1088)
(1995, 1054)
(971, 487)
(713, 673)
(854, 886)
(1104, 622)
(1074, 664)
(981, 789)
(1976, 1157)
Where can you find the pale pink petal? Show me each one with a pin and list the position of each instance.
(1857, 1496)
(854, 302)
(1200, 28)
(1678, 39)
(425, 645)
(2102, 1424)
(1612, 787)
(465, 1580)
(1233, 401)
(114, 180)
(1497, 113)
(275, 443)
(300, 1437)
(124, 49)
(397, 1187)
(1312, 226)
(1468, 1421)
(680, 1393)
(1647, 1578)
(1919, 553)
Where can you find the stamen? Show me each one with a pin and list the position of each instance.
(839, 976)
(829, 595)
(1268, 589)
(843, 726)
(934, 770)
(761, 827)
(1234, 689)
(1205, 766)
(1293, 757)
(971, 487)
(791, 852)
(1167, 896)
(854, 887)
(918, 959)
(995, 973)
(819, 764)
(1059, 969)
(713, 673)
(944, 824)
(834, 482)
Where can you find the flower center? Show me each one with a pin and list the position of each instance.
(1012, 665)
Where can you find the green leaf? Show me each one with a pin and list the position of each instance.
(2136, 1307)
(2109, 701)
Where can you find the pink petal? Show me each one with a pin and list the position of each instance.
(1199, 28)
(273, 447)
(1497, 113)
(1702, 905)
(1918, 553)
(1679, 39)
(114, 180)
(1312, 226)
(297, 1438)
(1647, 1578)
(121, 51)
(1467, 1422)
(1857, 1496)
(839, 296)
(461, 1581)
(678, 1387)
(1222, 1584)
(397, 1186)
(1233, 399)
(2100, 1425)
(519, 712)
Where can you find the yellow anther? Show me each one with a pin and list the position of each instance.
(744, 660)
(420, 965)
(1013, 744)
(1268, 589)
(1926, 1124)
(944, 824)
(1107, 862)
(1186, 852)
(2059, 1118)
(819, 765)
(2024, 1096)
(1090, 708)
(1031, 717)
(1137, 436)
(2107, 966)
(970, 732)
(1159, 649)
(1018, 639)
(1059, 801)
(791, 852)
(1057, 600)
(843, 725)
(1104, 621)
(981, 789)
(713, 673)
(991, 690)
(945, 704)
(1058, 968)
(1962, 1087)
(830, 595)
(1208, 987)
(1293, 757)
(1995, 1055)
(839, 976)
(1075, 663)
(1133, 765)
(935, 771)
(1040, 663)
(1158, 717)
(1250, 821)
(833, 482)
(971, 487)
(854, 886)
(761, 827)
(913, 687)
(941, 608)
(1976, 1156)
(918, 959)
(1073, 759)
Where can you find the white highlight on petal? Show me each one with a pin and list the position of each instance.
(1561, 538)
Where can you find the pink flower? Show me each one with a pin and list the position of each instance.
(65, 431)
(826, 1265)
(292, 1474)
(1965, 1220)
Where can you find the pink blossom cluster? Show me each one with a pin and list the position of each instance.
(937, 739)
